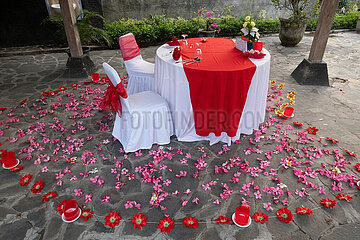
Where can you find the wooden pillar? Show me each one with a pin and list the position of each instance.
(72, 33)
(323, 28)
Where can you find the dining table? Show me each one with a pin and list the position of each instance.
(214, 91)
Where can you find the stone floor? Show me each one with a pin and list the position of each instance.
(333, 110)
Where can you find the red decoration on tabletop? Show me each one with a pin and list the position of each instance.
(62, 88)
(191, 222)
(174, 42)
(8, 160)
(357, 166)
(327, 202)
(304, 210)
(25, 180)
(284, 215)
(289, 112)
(312, 130)
(37, 187)
(223, 220)
(176, 54)
(86, 214)
(241, 217)
(71, 211)
(112, 219)
(258, 46)
(138, 220)
(344, 197)
(260, 217)
(112, 99)
(74, 85)
(350, 153)
(166, 224)
(49, 196)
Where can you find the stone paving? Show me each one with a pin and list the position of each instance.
(333, 110)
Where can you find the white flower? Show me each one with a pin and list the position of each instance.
(245, 31)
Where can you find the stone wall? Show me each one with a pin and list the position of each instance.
(117, 9)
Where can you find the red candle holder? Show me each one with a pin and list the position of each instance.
(8, 160)
(289, 112)
(95, 77)
(71, 211)
(241, 217)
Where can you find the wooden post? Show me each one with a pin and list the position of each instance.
(72, 33)
(326, 18)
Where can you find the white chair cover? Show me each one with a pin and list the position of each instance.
(145, 120)
(141, 72)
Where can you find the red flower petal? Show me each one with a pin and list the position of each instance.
(223, 220)
(25, 180)
(86, 214)
(138, 221)
(37, 187)
(350, 153)
(327, 202)
(260, 217)
(344, 197)
(303, 210)
(49, 196)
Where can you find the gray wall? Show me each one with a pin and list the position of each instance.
(116, 9)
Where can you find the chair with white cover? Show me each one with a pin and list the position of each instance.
(141, 72)
(144, 118)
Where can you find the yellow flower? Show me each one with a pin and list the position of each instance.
(278, 112)
(284, 105)
(290, 96)
(245, 24)
(281, 85)
(273, 82)
(293, 92)
(247, 18)
(252, 24)
(292, 102)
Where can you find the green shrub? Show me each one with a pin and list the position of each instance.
(159, 29)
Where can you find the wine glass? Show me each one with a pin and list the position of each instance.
(198, 49)
(184, 41)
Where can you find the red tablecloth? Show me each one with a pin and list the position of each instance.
(219, 84)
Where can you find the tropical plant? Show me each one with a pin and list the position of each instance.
(301, 11)
(86, 23)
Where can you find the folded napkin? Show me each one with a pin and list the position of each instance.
(174, 42)
(176, 54)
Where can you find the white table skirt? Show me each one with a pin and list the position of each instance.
(171, 83)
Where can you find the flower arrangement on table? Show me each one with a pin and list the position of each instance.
(249, 31)
(208, 16)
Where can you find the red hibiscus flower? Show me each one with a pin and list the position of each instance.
(260, 217)
(191, 222)
(112, 219)
(326, 202)
(37, 187)
(138, 220)
(74, 85)
(223, 220)
(304, 210)
(333, 140)
(17, 168)
(312, 130)
(350, 153)
(25, 180)
(344, 197)
(49, 196)
(284, 215)
(357, 166)
(297, 124)
(62, 88)
(86, 214)
(166, 224)
(60, 207)
(46, 94)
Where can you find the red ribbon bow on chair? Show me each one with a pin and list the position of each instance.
(112, 98)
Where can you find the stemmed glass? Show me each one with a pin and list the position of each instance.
(198, 50)
(184, 41)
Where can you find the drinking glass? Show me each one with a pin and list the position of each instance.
(184, 41)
